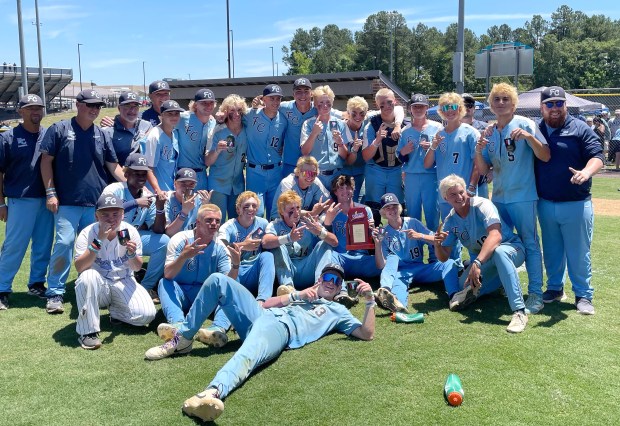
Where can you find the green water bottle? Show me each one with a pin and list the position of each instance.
(402, 317)
(453, 390)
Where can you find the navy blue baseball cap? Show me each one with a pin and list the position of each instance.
(109, 201)
(418, 99)
(89, 96)
(29, 100)
(136, 161)
(552, 93)
(128, 98)
(389, 199)
(333, 267)
(186, 173)
(204, 95)
(158, 85)
(170, 106)
(302, 82)
(272, 90)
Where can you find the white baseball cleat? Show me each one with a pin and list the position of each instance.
(206, 405)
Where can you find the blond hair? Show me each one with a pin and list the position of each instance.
(287, 197)
(357, 102)
(448, 182)
(243, 197)
(504, 89)
(232, 101)
(324, 90)
(451, 98)
(307, 159)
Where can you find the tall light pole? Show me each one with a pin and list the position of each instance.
(458, 65)
(273, 67)
(228, 33)
(392, 28)
(144, 79)
(41, 81)
(80, 64)
(232, 52)
(22, 51)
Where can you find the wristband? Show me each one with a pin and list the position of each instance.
(234, 267)
(2, 205)
(132, 255)
(96, 243)
(477, 262)
(50, 189)
(93, 249)
(433, 149)
(284, 239)
(157, 211)
(371, 304)
(323, 234)
(183, 216)
(293, 297)
(329, 228)
(50, 195)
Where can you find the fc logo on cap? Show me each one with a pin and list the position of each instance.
(32, 98)
(554, 92)
(142, 161)
(110, 200)
(188, 173)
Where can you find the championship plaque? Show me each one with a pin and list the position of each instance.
(358, 230)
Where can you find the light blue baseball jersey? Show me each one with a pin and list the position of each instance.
(455, 154)
(414, 161)
(297, 249)
(214, 258)
(295, 120)
(396, 241)
(471, 231)
(339, 228)
(226, 174)
(309, 196)
(265, 137)
(324, 150)
(193, 136)
(138, 215)
(309, 321)
(173, 207)
(161, 154)
(513, 162)
(233, 232)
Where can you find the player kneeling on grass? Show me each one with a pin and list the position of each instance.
(495, 250)
(107, 253)
(287, 321)
(401, 256)
(301, 246)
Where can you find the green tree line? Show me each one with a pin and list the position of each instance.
(572, 50)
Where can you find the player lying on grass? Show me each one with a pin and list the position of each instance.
(287, 321)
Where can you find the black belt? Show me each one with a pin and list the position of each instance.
(265, 166)
(327, 172)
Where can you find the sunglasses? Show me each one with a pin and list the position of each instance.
(336, 279)
(308, 173)
(448, 107)
(558, 104)
(93, 106)
(469, 106)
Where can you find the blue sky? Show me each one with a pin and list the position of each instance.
(188, 39)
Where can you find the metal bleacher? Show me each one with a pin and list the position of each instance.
(55, 79)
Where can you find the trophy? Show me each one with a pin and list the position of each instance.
(358, 235)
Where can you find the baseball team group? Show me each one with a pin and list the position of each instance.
(237, 204)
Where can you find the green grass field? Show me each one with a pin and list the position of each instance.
(563, 369)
